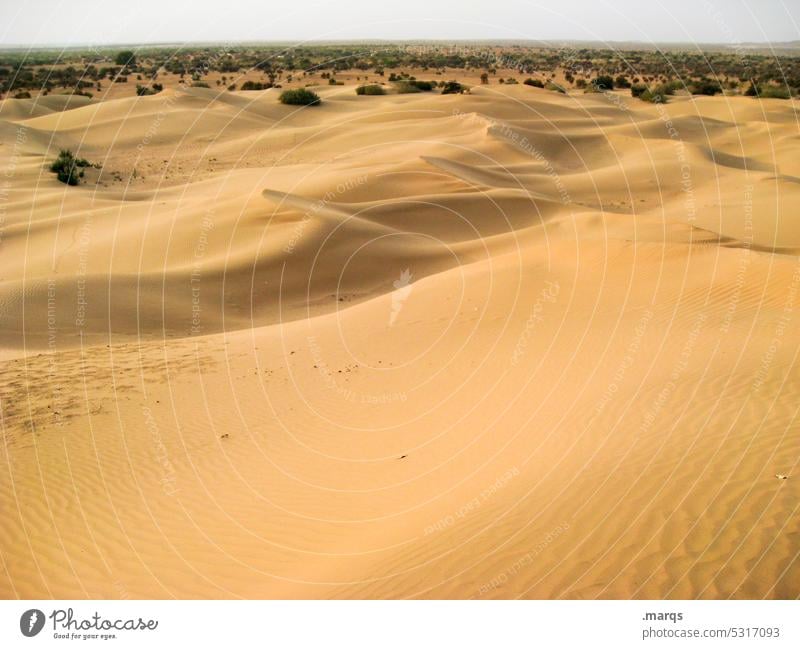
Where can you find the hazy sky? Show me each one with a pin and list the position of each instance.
(40, 22)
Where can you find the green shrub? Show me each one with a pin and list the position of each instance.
(603, 82)
(708, 87)
(22, 94)
(126, 57)
(774, 92)
(254, 85)
(622, 82)
(555, 87)
(638, 89)
(144, 91)
(406, 87)
(452, 88)
(68, 168)
(425, 86)
(373, 89)
(200, 84)
(653, 96)
(300, 97)
(536, 83)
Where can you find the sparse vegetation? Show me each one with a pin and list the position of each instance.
(603, 82)
(622, 82)
(125, 57)
(425, 86)
(705, 86)
(300, 97)
(405, 87)
(144, 91)
(68, 168)
(452, 88)
(536, 83)
(774, 92)
(252, 85)
(373, 89)
(550, 85)
(257, 67)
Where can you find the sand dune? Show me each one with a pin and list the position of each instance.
(497, 345)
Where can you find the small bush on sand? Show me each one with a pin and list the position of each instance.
(654, 96)
(603, 82)
(554, 87)
(254, 85)
(536, 83)
(452, 88)
(126, 57)
(705, 87)
(300, 97)
(373, 89)
(144, 91)
(774, 92)
(425, 86)
(68, 168)
(622, 82)
(405, 87)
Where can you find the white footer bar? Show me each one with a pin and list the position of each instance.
(389, 624)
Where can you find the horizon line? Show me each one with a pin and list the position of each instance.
(356, 41)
